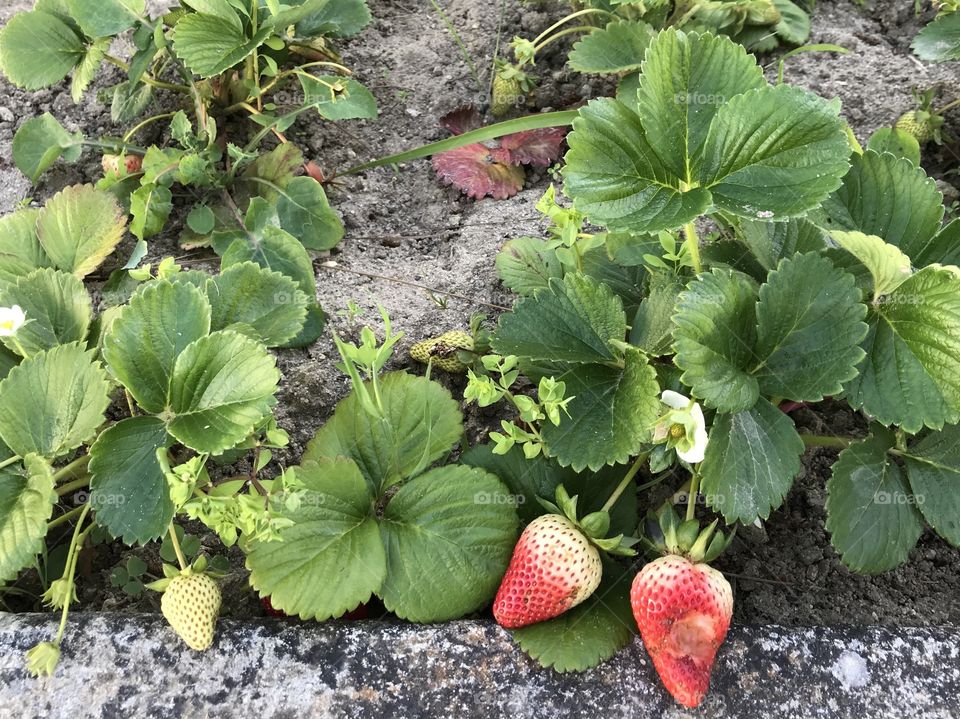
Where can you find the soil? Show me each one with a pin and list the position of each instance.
(407, 226)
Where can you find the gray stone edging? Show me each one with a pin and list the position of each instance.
(117, 665)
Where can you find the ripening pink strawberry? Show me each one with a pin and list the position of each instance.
(683, 611)
(131, 164)
(554, 568)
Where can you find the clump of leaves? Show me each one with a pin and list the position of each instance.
(182, 358)
(495, 167)
(219, 60)
(831, 275)
(374, 516)
(615, 36)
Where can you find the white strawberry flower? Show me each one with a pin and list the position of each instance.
(11, 320)
(682, 426)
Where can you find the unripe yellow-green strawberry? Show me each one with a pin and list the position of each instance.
(444, 350)
(923, 125)
(505, 94)
(191, 604)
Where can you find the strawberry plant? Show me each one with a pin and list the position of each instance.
(211, 61)
(374, 518)
(615, 36)
(180, 360)
(829, 275)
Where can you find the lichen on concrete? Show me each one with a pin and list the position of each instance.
(118, 665)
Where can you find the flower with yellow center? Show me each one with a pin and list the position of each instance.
(11, 320)
(682, 427)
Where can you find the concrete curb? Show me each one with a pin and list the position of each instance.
(117, 665)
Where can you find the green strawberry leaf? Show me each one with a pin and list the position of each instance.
(933, 471)
(652, 326)
(40, 142)
(306, 214)
(20, 249)
(147, 336)
(67, 393)
(871, 515)
(100, 18)
(751, 461)
(715, 335)
(79, 227)
(774, 153)
(420, 425)
(267, 301)
(911, 374)
(58, 306)
(448, 535)
(940, 40)
(891, 198)
(222, 386)
(794, 24)
(38, 49)
(129, 490)
(809, 329)
(331, 558)
(588, 634)
(150, 206)
(530, 479)
(617, 179)
(574, 320)
(209, 44)
(656, 163)
(26, 504)
(686, 80)
(897, 142)
(618, 47)
(527, 264)
(84, 73)
(612, 412)
(888, 266)
(335, 18)
(770, 242)
(338, 98)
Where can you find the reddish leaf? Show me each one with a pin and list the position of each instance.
(535, 147)
(461, 120)
(479, 171)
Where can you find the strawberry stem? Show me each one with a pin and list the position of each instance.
(75, 544)
(631, 473)
(181, 560)
(693, 246)
(692, 496)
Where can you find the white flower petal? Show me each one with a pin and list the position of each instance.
(674, 399)
(692, 455)
(11, 320)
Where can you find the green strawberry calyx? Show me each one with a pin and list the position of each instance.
(665, 533)
(594, 526)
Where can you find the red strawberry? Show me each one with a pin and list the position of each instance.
(131, 164)
(554, 567)
(269, 609)
(683, 611)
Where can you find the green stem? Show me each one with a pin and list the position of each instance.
(75, 484)
(948, 106)
(76, 543)
(71, 470)
(148, 121)
(64, 518)
(181, 560)
(490, 132)
(121, 146)
(693, 246)
(624, 483)
(572, 16)
(19, 347)
(817, 440)
(562, 33)
(8, 462)
(692, 495)
(146, 78)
